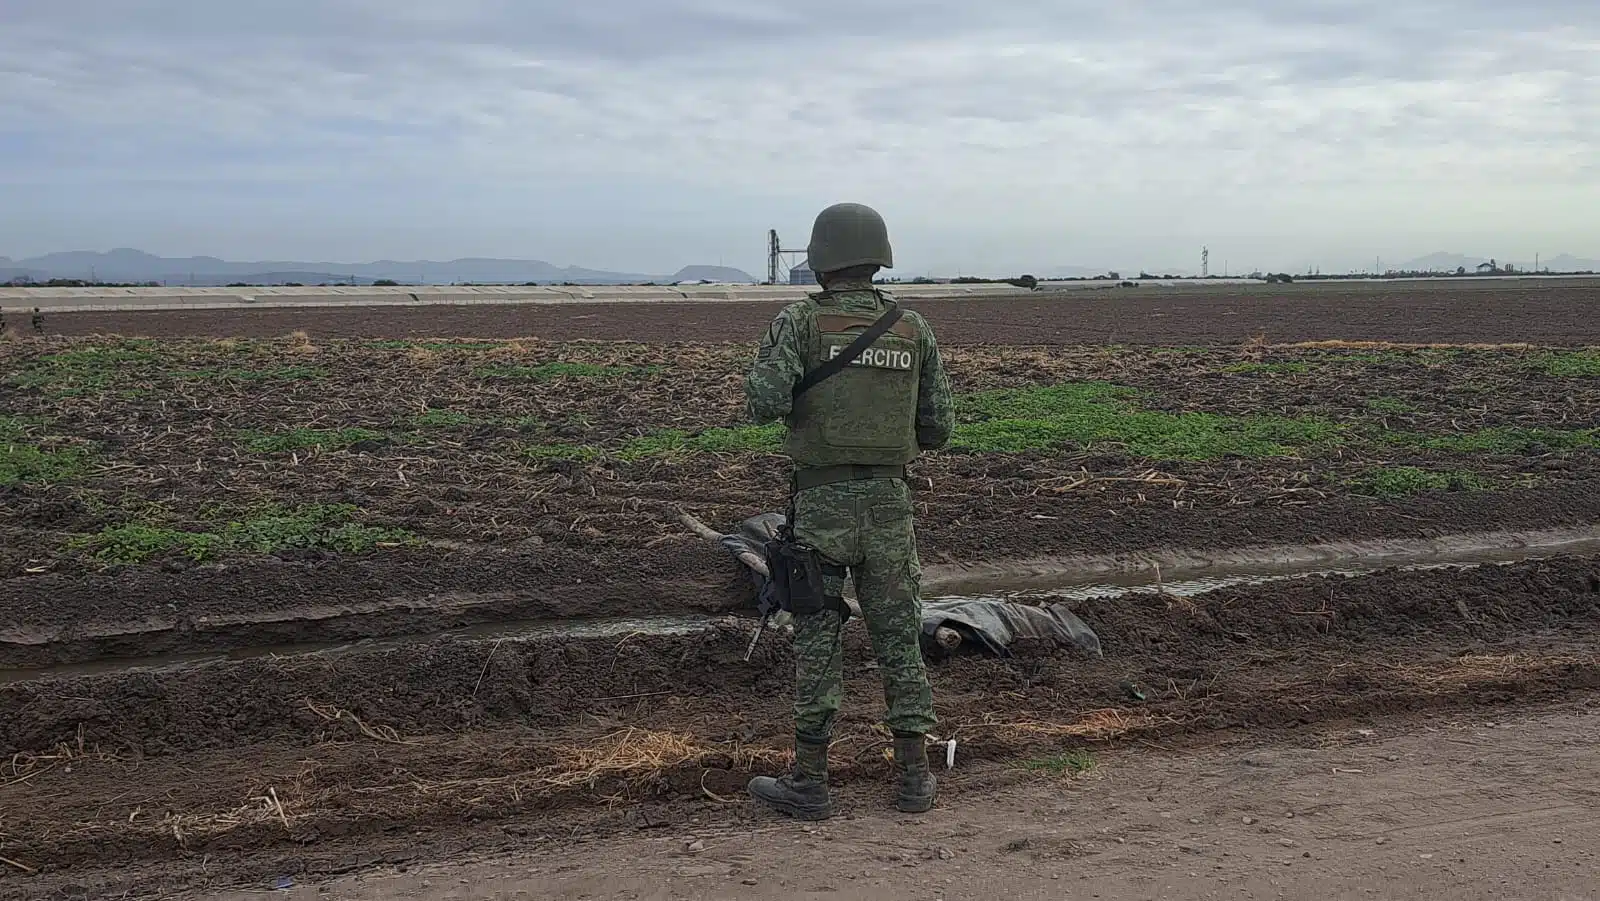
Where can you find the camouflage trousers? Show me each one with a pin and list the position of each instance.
(865, 526)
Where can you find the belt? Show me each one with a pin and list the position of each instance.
(828, 475)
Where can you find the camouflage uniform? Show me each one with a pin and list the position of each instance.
(850, 438)
(864, 525)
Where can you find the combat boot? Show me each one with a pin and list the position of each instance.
(917, 783)
(803, 794)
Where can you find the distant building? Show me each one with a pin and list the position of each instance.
(802, 274)
(1488, 267)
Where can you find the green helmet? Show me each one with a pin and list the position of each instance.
(849, 234)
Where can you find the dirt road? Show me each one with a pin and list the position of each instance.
(1465, 313)
(1463, 808)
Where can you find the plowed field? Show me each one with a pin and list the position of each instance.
(1474, 311)
(304, 604)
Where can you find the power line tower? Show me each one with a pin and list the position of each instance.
(780, 261)
(1205, 262)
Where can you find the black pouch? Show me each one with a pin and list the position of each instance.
(796, 577)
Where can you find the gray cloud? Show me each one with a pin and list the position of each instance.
(990, 125)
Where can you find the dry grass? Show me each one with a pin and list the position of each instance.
(1433, 679)
(1151, 478)
(24, 767)
(639, 752)
(1098, 725)
(618, 767)
(332, 714)
(300, 344)
(423, 357)
(612, 770)
(183, 828)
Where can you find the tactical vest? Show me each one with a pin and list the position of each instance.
(867, 413)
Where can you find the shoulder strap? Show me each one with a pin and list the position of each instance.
(830, 368)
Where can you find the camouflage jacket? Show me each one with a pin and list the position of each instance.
(779, 364)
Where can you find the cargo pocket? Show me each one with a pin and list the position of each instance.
(893, 531)
(890, 514)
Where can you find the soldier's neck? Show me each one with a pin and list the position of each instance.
(850, 284)
(852, 294)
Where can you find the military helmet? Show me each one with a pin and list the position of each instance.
(849, 234)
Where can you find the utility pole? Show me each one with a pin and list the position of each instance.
(777, 258)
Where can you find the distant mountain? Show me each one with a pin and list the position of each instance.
(128, 265)
(1440, 262)
(1566, 262)
(264, 278)
(712, 274)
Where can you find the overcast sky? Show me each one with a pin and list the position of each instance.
(641, 135)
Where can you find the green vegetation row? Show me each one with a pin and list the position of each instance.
(1083, 415)
(1076, 415)
(1406, 481)
(28, 460)
(1071, 416)
(269, 529)
(98, 369)
(264, 530)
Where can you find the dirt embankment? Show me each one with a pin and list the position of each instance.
(356, 741)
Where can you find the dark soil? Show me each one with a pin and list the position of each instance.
(177, 762)
(1470, 312)
(143, 611)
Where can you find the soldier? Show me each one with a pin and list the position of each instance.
(38, 321)
(850, 438)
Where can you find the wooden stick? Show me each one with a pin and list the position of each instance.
(754, 561)
(748, 558)
(699, 528)
(278, 806)
(21, 866)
